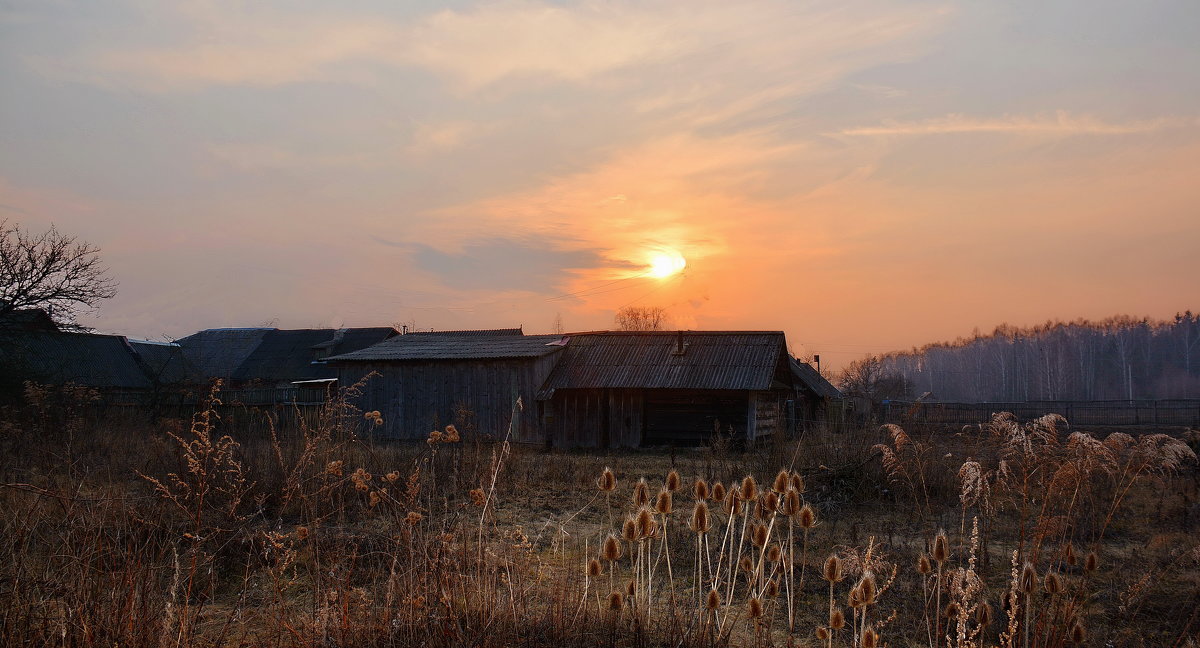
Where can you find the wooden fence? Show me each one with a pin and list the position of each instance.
(1167, 413)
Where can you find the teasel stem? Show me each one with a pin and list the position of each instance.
(732, 584)
(791, 575)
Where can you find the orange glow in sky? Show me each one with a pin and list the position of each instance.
(865, 176)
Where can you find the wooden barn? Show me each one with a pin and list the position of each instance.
(629, 389)
(470, 378)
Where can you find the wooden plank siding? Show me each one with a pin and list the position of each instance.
(416, 397)
(594, 418)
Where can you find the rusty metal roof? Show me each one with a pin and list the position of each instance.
(447, 346)
(652, 360)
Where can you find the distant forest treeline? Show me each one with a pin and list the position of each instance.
(1114, 359)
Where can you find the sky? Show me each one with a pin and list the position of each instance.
(865, 176)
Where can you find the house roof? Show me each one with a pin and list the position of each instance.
(473, 332)
(29, 319)
(471, 345)
(217, 353)
(292, 355)
(165, 362)
(650, 360)
(813, 380)
(81, 358)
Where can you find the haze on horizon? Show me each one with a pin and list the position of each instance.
(865, 176)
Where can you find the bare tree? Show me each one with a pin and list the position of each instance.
(51, 271)
(642, 318)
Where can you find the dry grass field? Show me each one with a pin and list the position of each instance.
(197, 533)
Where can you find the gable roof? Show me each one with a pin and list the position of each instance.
(292, 354)
(217, 353)
(813, 380)
(650, 360)
(449, 345)
(81, 358)
(165, 363)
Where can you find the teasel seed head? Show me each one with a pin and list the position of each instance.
(1052, 583)
(664, 503)
(647, 527)
(953, 610)
(822, 633)
(833, 569)
(983, 614)
(612, 548)
(1069, 554)
(774, 553)
(594, 568)
(807, 517)
(854, 598)
(673, 481)
(923, 566)
(870, 589)
(1078, 634)
(1028, 581)
(629, 530)
(718, 492)
(782, 480)
(770, 502)
(749, 489)
(798, 483)
(758, 535)
(755, 607)
(700, 521)
(941, 547)
(641, 493)
(700, 489)
(772, 588)
(607, 482)
(870, 638)
(616, 601)
(746, 564)
(1092, 562)
(733, 504)
(713, 600)
(837, 619)
(790, 504)
(630, 588)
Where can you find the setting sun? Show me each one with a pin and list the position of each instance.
(665, 264)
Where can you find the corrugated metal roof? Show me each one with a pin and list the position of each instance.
(81, 358)
(473, 332)
(455, 347)
(812, 379)
(650, 360)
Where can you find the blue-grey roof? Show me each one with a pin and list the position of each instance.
(217, 353)
(742, 360)
(165, 363)
(80, 358)
(288, 355)
(447, 346)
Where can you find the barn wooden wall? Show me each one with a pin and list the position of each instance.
(594, 418)
(414, 397)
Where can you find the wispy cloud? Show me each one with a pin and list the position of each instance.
(1061, 123)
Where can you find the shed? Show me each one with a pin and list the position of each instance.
(648, 388)
(470, 378)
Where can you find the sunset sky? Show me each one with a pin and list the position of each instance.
(866, 176)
